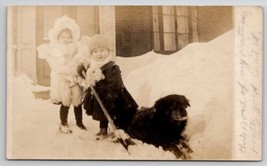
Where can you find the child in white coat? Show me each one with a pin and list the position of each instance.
(61, 56)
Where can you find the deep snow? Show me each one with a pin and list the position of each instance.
(203, 72)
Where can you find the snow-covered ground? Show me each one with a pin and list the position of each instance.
(33, 133)
(203, 72)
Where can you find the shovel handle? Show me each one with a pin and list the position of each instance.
(103, 108)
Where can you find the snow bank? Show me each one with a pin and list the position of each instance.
(129, 64)
(203, 72)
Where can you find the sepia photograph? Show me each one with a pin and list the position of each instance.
(134, 82)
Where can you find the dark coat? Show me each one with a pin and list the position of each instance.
(112, 93)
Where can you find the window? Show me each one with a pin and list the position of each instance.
(170, 28)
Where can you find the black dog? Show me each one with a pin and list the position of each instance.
(160, 125)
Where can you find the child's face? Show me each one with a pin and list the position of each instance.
(65, 37)
(100, 54)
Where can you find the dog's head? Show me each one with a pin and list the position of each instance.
(172, 107)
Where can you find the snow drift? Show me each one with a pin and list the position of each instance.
(203, 72)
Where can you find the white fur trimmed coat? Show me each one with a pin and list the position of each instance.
(64, 83)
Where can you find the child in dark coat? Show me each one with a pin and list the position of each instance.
(105, 76)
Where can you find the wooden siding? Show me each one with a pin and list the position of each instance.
(133, 30)
(26, 41)
(213, 21)
(107, 24)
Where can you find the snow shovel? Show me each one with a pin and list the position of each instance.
(125, 143)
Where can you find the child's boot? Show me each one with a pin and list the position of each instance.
(65, 129)
(103, 125)
(102, 132)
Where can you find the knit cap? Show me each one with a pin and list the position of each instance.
(99, 41)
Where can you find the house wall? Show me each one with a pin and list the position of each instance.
(213, 21)
(166, 29)
(133, 30)
(107, 24)
(129, 29)
(12, 39)
(193, 26)
(26, 41)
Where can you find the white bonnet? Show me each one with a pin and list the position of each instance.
(61, 23)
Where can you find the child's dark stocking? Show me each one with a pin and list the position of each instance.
(64, 111)
(64, 128)
(79, 116)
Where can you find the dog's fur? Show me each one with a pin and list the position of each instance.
(160, 125)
